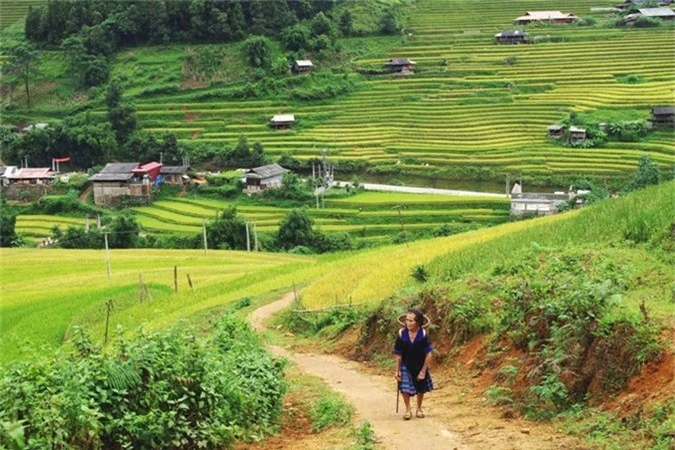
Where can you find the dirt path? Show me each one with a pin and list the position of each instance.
(472, 425)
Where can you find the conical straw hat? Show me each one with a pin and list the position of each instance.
(401, 320)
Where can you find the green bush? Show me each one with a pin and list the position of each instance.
(647, 22)
(587, 21)
(170, 390)
(62, 204)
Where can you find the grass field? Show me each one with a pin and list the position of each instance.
(46, 291)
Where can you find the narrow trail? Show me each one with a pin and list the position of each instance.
(373, 397)
(457, 417)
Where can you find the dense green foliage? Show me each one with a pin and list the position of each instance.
(171, 390)
(7, 225)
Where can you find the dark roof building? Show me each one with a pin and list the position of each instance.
(402, 66)
(511, 37)
(115, 172)
(175, 174)
(663, 116)
(628, 3)
(264, 177)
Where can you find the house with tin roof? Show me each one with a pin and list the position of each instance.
(554, 17)
(264, 177)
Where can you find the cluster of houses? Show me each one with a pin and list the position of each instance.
(523, 204)
(661, 117)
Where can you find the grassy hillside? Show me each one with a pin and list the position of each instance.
(47, 291)
(464, 114)
(368, 277)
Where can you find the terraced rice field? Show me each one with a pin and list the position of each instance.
(11, 11)
(34, 228)
(465, 107)
(369, 215)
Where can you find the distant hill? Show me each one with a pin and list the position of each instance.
(472, 110)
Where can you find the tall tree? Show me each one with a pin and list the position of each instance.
(228, 231)
(122, 117)
(258, 51)
(7, 224)
(295, 229)
(124, 232)
(23, 63)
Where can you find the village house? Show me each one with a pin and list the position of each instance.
(663, 116)
(282, 121)
(6, 171)
(176, 175)
(119, 180)
(535, 204)
(403, 66)
(554, 17)
(31, 176)
(264, 177)
(658, 13)
(302, 66)
(556, 131)
(628, 3)
(577, 134)
(511, 37)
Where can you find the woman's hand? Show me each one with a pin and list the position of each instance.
(398, 375)
(422, 375)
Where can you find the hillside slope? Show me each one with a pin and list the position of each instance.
(473, 109)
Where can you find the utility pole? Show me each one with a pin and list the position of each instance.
(400, 218)
(109, 307)
(107, 253)
(204, 229)
(248, 238)
(255, 237)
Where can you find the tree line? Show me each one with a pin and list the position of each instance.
(133, 22)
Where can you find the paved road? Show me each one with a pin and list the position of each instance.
(421, 190)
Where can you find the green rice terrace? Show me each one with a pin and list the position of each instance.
(471, 109)
(463, 107)
(370, 216)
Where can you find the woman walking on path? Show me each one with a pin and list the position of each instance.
(413, 356)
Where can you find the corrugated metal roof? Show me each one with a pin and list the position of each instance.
(32, 173)
(283, 118)
(304, 63)
(119, 167)
(508, 33)
(400, 62)
(658, 110)
(174, 169)
(115, 172)
(546, 15)
(657, 12)
(111, 177)
(577, 130)
(268, 171)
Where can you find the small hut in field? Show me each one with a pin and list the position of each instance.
(282, 121)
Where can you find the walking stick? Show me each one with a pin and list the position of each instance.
(398, 395)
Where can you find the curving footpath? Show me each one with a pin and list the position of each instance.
(373, 397)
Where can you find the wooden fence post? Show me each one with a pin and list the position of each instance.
(190, 282)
